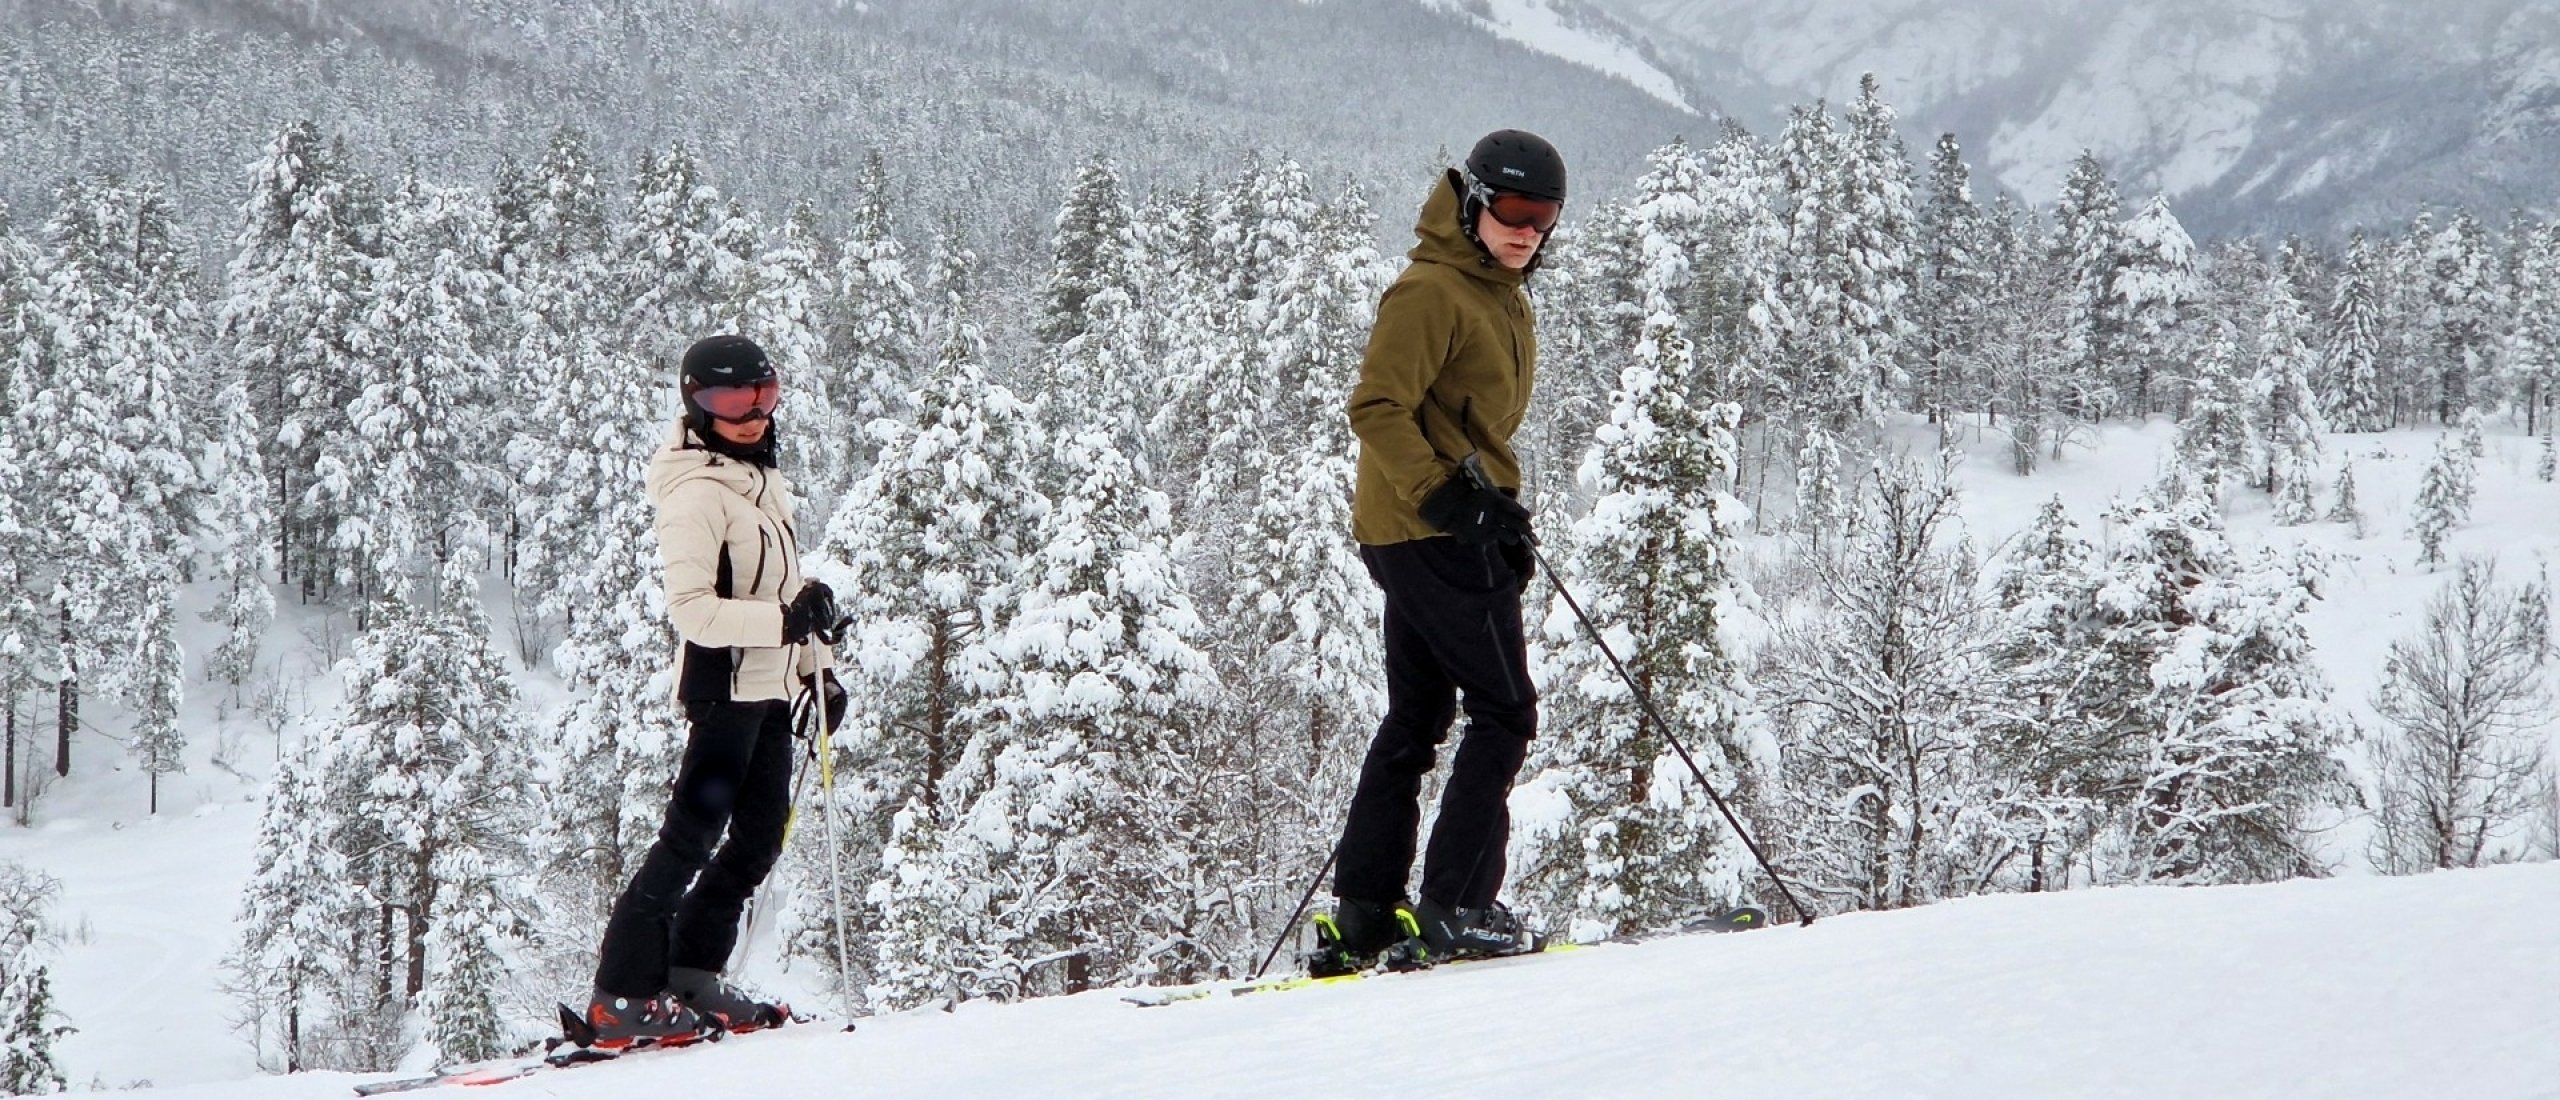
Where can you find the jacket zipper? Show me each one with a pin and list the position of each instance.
(738, 662)
(1519, 359)
(764, 547)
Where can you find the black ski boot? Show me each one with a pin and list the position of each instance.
(616, 1024)
(1348, 939)
(1442, 933)
(721, 1003)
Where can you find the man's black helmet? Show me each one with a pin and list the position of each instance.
(1517, 160)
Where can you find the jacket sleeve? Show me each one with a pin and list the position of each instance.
(814, 656)
(689, 538)
(1407, 347)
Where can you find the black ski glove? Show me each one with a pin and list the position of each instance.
(1475, 516)
(837, 704)
(837, 701)
(813, 611)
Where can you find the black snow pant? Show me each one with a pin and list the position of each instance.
(1452, 632)
(736, 776)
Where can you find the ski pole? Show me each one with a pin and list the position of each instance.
(1290, 927)
(835, 853)
(1474, 470)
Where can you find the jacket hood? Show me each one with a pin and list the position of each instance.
(1440, 237)
(684, 459)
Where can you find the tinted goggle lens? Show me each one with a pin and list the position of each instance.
(1520, 211)
(754, 401)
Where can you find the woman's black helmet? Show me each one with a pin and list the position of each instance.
(728, 377)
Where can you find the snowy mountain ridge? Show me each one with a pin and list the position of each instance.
(2276, 115)
(2273, 114)
(1012, 94)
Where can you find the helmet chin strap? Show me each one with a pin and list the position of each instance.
(762, 452)
(1471, 192)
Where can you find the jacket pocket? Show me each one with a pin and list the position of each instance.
(1471, 569)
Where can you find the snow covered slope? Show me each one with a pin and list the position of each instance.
(1576, 32)
(2440, 985)
(2270, 113)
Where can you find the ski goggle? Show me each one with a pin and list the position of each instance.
(753, 401)
(1520, 211)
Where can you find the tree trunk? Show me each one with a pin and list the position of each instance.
(284, 528)
(424, 904)
(382, 956)
(937, 721)
(2035, 866)
(293, 1022)
(1919, 832)
(66, 703)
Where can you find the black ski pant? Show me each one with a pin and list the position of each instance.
(1452, 634)
(682, 906)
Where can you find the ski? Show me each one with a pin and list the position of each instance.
(569, 1049)
(1738, 919)
(487, 1073)
(572, 1048)
(1153, 999)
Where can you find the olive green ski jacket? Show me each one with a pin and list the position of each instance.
(1447, 372)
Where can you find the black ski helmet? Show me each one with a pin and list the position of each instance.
(725, 360)
(1517, 160)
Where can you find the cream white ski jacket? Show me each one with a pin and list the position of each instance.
(732, 558)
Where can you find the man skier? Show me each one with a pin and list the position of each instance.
(734, 590)
(1446, 379)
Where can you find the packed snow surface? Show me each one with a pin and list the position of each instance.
(2436, 985)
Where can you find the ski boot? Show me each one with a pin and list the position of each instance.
(720, 1003)
(1349, 939)
(617, 1024)
(1442, 933)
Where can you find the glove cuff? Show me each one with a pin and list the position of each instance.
(1442, 506)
